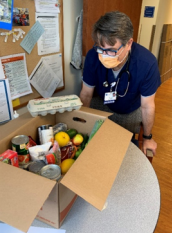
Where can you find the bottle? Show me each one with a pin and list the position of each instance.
(15, 115)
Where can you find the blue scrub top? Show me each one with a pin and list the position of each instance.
(144, 78)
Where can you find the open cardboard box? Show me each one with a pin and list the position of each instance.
(25, 196)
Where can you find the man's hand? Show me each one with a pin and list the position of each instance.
(86, 95)
(148, 114)
(149, 144)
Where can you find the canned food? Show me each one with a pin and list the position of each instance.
(51, 171)
(36, 166)
(20, 145)
(45, 133)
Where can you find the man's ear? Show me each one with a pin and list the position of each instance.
(129, 43)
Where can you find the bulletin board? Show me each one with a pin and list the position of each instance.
(32, 59)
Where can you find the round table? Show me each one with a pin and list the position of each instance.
(133, 204)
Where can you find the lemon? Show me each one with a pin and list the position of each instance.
(66, 164)
(62, 138)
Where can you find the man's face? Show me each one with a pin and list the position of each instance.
(122, 51)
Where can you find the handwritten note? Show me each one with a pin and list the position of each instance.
(32, 37)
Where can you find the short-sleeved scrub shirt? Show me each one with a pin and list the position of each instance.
(144, 78)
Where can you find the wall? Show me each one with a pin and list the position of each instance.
(162, 15)
(145, 27)
(71, 9)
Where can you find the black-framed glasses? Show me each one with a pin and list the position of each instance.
(109, 52)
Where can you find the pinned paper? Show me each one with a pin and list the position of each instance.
(32, 37)
(15, 71)
(6, 14)
(52, 6)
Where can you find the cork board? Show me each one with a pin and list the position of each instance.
(33, 58)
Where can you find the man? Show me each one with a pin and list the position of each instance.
(124, 74)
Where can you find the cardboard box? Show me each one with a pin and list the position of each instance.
(25, 195)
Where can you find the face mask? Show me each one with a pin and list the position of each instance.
(110, 62)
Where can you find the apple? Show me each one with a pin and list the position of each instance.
(78, 139)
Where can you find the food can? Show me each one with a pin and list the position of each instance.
(51, 171)
(36, 166)
(45, 133)
(20, 145)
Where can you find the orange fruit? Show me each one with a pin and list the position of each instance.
(62, 138)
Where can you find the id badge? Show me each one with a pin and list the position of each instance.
(110, 97)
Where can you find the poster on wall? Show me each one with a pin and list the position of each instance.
(6, 14)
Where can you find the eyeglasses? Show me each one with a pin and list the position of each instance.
(109, 52)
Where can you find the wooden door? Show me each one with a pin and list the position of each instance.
(93, 9)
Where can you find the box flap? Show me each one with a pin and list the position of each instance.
(95, 111)
(22, 194)
(93, 173)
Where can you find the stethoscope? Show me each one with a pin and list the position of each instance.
(106, 84)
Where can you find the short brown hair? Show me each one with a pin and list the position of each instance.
(111, 26)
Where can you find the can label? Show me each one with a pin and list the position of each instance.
(20, 144)
(23, 159)
(20, 149)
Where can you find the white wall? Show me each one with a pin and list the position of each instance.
(71, 9)
(162, 15)
(145, 27)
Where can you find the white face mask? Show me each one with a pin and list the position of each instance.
(111, 62)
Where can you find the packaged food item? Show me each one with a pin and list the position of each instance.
(45, 133)
(53, 156)
(51, 171)
(10, 157)
(59, 127)
(20, 144)
(38, 152)
(31, 142)
(52, 105)
(68, 152)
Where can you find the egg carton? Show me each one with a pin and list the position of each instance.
(52, 105)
